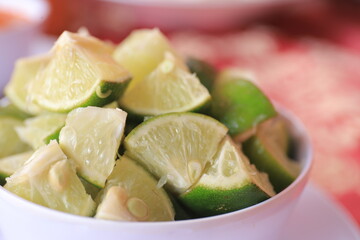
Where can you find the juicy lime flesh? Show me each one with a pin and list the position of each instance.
(91, 137)
(39, 129)
(8, 109)
(24, 73)
(49, 179)
(176, 147)
(10, 164)
(169, 88)
(10, 142)
(268, 158)
(150, 203)
(77, 76)
(240, 105)
(229, 184)
(141, 52)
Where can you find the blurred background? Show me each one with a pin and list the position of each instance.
(305, 55)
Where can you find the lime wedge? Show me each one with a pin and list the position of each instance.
(49, 179)
(230, 184)
(37, 130)
(176, 147)
(24, 73)
(7, 109)
(266, 151)
(10, 143)
(80, 73)
(169, 88)
(239, 103)
(132, 194)
(203, 70)
(141, 52)
(8, 165)
(91, 137)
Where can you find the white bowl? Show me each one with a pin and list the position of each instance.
(15, 40)
(21, 219)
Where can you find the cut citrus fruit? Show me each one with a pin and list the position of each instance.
(132, 194)
(176, 147)
(7, 109)
(10, 143)
(80, 73)
(91, 137)
(267, 153)
(230, 184)
(141, 52)
(8, 165)
(24, 73)
(239, 103)
(204, 71)
(49, 179)
(169, 88)
(38, 130)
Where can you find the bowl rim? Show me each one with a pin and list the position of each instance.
(297, 128)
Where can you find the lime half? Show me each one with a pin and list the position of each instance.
(91, 137)
(230, 184)
(49, 179)
(132, 194)
(80, 73)
(176, 147)
(169, 88)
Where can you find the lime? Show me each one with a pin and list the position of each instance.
(239, 103)
(10, 143)
(91, 137)
(230, 183)
(203, 70)
(132, 194)
(267, 152)
(49, 179)
(8, 109)
(176, 147)
(37, 130)
(141, 52)
(80, 73)
(8, 165)
(24, 73)
(169, 88)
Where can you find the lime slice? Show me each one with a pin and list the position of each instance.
(141, 52)
(24, 73)
(267, 153)
(9, 165)
(37, 130)
(169, 88)
(230, 184)
(10, 143)
(239, 103)
(132, 194)
(7, 109)
(91, 137)
(49, 179)
(80, 73)
(204, 71)
(176, 147)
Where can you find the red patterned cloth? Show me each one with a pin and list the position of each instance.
(313, 70)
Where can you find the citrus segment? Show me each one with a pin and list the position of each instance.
(176, 147)
(8, 165)
(131, 194)
(91, 137)
(49, 179)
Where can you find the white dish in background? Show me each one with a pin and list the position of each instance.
(16, 39)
